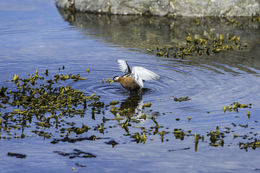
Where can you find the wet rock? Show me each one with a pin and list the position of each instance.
(17, 155)
(165, 7)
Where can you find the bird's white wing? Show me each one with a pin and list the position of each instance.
(144, 74)
(138, 80)
(124, 67)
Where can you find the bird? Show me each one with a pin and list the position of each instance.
(133, 79)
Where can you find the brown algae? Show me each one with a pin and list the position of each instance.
(44, 105)
(196, 46)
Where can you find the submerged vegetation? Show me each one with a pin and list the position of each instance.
(46, 105)
(197, 45)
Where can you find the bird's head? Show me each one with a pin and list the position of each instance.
(116, 78)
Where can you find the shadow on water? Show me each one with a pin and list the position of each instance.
(142, 32)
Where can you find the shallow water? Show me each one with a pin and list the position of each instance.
(35, 34)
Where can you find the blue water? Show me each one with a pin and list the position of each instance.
(35, 34)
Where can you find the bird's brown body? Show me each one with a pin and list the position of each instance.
(128, 82)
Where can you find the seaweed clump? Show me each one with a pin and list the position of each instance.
(247, 145)
(180, 99)
(235, 106)
(41, 102)
(197, 46)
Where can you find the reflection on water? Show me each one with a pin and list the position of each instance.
(140, 32)
(134, 103)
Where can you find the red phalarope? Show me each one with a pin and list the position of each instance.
(133, 79)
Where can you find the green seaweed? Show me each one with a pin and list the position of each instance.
(236, 106)
(43, 104)
(196, 45)
(180, 99)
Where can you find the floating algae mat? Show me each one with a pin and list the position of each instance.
(41, 105)
(40, 100)
(199, 45)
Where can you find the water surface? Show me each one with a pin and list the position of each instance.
(35, 34)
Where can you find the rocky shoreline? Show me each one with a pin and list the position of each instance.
(198, 8)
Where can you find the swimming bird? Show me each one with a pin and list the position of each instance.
(133, 79)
